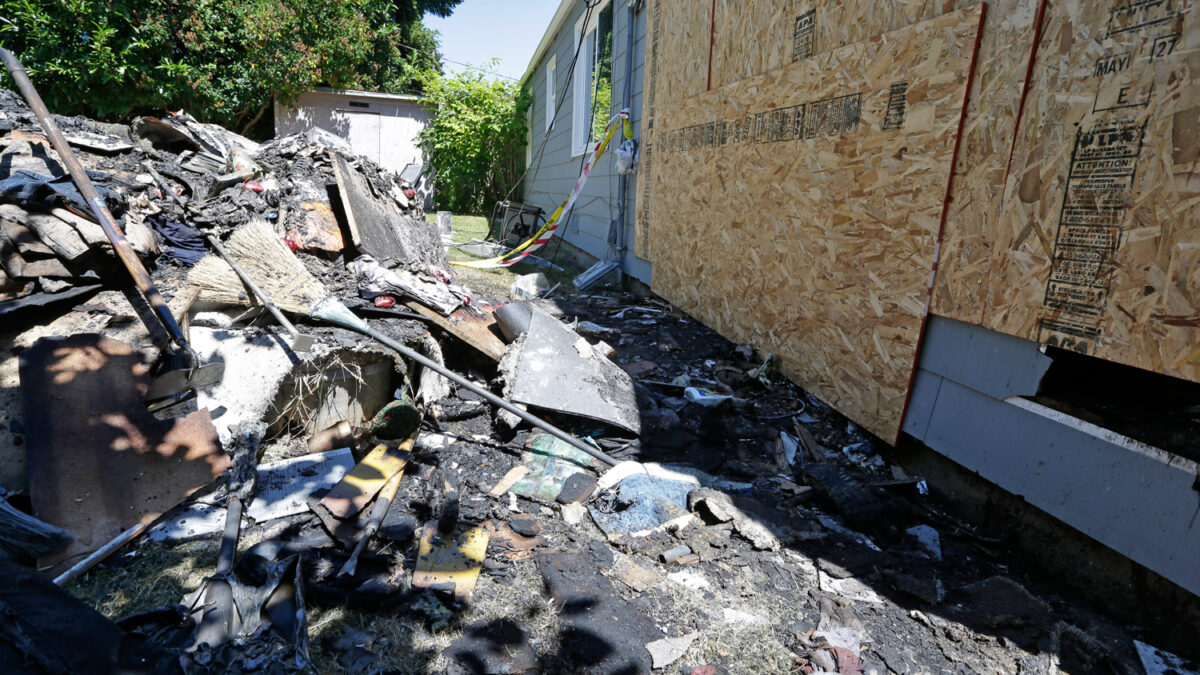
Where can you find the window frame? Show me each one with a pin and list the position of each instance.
(551, 93)
(585, 71)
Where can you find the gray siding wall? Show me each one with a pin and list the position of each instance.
(549, 182)
(967, 404)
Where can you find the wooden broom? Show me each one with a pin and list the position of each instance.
(273, 268)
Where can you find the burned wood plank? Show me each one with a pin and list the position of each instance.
(349, 496)
(466, 324)
(25, 241)
(366, 216)
(66, 243)
(89, 230)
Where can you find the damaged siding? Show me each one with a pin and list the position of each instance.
(550, 181)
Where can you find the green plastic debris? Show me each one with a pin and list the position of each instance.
(551, 461)
(395, 421)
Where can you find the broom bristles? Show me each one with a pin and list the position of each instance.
(269, 264)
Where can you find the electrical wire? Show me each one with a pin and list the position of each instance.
(437, 55)
(536, 161)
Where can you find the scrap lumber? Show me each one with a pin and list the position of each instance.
(354, 491)
(476, 329)
(367, 217)
(849, 200)
(24, 240)
(89, 230)
(59, 236)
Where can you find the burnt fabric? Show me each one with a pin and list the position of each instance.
(184, 244)
(32, 189)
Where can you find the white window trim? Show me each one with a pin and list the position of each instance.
(585, 67)
(551, 94)
(529, 136)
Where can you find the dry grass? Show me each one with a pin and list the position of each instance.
(742, 649)
(405, 643)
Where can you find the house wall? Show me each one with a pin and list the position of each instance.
(379, 127)
(968, 403)
(551, 180)
(969, 392)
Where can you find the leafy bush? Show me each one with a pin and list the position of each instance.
(221, 60)
(476, 141)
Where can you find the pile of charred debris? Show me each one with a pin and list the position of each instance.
(572, 483)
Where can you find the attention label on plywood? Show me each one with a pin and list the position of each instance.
(799, 209)
(1095, 247)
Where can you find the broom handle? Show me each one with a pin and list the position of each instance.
(101, 213)
(344, 318)
(262, 297)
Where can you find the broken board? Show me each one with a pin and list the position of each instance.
(1096, 246)
(467, 324)
(838, 251)
(98, 461)
(366, 218)
(446, 560)
(346, 498)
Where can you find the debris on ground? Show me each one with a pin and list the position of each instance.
(532, 478)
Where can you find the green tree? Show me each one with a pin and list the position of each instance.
(224, 61)
(476, 140)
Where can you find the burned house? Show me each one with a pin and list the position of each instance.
(912, 387)
(971, 229)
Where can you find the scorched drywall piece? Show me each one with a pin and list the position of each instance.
(798, 211)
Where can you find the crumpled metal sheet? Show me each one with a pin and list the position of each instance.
(552, 367)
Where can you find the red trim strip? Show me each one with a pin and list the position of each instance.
(712, 30)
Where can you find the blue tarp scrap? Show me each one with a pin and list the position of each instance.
(642, 502)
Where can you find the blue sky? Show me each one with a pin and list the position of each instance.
(480, 30)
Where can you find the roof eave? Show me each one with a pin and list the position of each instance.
(556, 23)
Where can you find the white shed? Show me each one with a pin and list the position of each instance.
(381, 127)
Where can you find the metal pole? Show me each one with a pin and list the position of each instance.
(623, 180)
(101, 213)
(333, 311)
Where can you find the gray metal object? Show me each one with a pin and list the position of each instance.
(623, 180)
(553, 368)
(513, 319)
(596, 272)
(333, 311)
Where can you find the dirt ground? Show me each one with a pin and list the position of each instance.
(842, 567)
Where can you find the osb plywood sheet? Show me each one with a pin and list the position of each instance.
(684, 35)
(799, 209)
(1098, 242)
(753, 37)
(993, 111)
(678, 35)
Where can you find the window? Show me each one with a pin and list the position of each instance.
(592, 100)
(550, 94)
